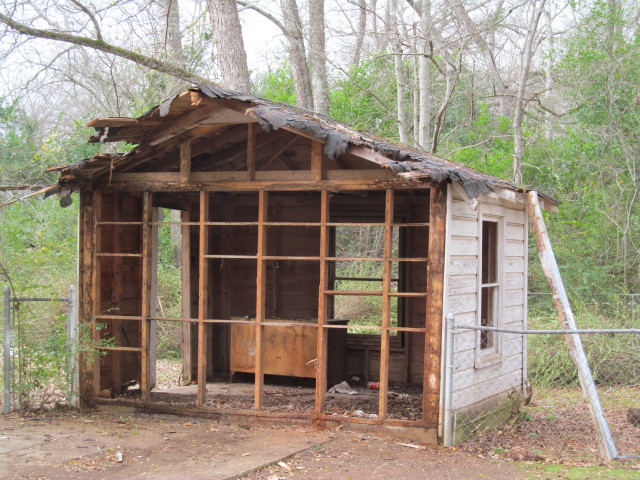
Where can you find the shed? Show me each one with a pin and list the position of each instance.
(311, 254)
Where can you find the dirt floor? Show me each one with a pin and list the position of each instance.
(553, 432)
(125, 445)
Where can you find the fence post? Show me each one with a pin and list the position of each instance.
(7, 350)
(448, 381)
(72, 335)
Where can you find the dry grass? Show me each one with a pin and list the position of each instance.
(556, 428)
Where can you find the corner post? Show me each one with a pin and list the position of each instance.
(448, 381)
(435, 293)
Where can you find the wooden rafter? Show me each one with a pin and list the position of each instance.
(268, 155)
(164, 157)
(230, 157)
(186, 121)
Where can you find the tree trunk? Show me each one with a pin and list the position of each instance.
(548, 79)
(399, 73)
(487, 49)
(525, 66)
(318, 57)
(452, 77)
(425, 80)
(416, 86)
(297, 54)
(229, 45)
(172, 39)
(362, 30)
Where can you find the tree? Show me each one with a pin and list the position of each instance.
(318, 57)
(229, 45)
(291, 28)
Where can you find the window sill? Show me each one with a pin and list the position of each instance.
(488, 359)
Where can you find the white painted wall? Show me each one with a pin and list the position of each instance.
(476, 381)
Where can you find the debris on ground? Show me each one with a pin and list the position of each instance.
(343, 387)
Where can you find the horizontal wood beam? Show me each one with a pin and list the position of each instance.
(270, 175)
(284, 185)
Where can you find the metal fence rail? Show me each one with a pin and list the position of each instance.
(538, 360)
(17, 334)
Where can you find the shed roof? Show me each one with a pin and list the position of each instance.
(210, 109)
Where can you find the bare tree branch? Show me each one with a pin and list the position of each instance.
(103, 46)
(93, 18)
(264, 13)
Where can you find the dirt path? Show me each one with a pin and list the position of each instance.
(165, 447)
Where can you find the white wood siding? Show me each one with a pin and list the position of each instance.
(471, 383)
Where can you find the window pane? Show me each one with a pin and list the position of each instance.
(489, 252)
(487, 316)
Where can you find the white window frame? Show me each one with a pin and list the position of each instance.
(489, 356)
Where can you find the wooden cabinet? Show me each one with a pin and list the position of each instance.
(288, 350)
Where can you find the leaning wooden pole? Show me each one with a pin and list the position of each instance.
(561, 301)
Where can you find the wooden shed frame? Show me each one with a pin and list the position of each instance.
(205, 149)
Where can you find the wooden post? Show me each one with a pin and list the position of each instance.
(96, 289)
(185, 162)
(435, 292)
(156, 216)
(317, 166)
(145, 377)
(185, 273)
(386, 305)
(565, 314)
(251, 151)
(321, 356)
(116, 296)
(86, 285)
(260, 299)
(203, 284)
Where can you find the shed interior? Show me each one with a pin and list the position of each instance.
(284, 294)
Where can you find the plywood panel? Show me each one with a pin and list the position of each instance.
(288, 350)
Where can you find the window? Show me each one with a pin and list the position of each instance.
(490, 279)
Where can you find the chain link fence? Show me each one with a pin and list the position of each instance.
(533, 407)
(39, 351)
